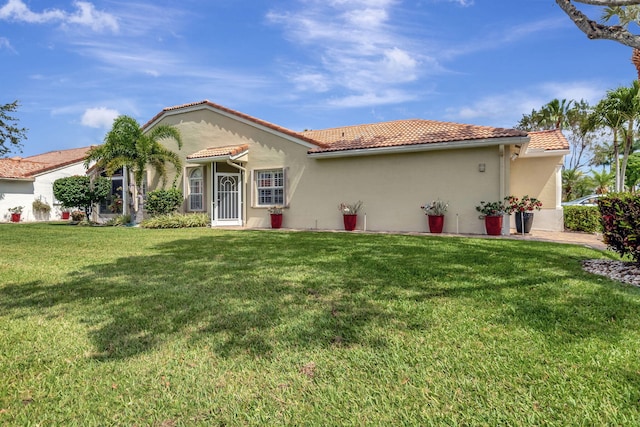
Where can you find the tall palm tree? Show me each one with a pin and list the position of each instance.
(620, 112)
(127, 146)
(556, 113)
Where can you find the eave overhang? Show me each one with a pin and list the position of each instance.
(413, 148)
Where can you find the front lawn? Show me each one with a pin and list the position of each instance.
(128, 326)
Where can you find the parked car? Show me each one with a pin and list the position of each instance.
(590, 200)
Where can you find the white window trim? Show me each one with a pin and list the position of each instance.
(254, 183)
(188, 185)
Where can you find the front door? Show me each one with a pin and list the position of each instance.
(228, 206)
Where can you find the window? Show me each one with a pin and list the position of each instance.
(113, 203)
(196, 190)
(270, 187)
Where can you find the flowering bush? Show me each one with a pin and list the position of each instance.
(435, 208)
(491, 208)
(525, 204)
(350, 209)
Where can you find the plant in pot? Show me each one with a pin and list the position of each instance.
(15, 213)
(350, 214)
(41, 209)
(65, 214)
(492, 212)
(523, 208)
(435, 214)
(276, 216)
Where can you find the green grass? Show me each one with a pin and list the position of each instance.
(128, 326)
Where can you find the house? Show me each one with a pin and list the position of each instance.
(23, 180)
(237, 166)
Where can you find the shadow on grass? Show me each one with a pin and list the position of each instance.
(254, 292)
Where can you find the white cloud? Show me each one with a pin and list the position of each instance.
(86, 15)
(100, 117)
(506, 109)
(355, 47)
(6, 44)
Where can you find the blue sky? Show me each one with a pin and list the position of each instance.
(301, 64)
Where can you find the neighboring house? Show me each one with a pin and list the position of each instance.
(237, 166)
(23, 180)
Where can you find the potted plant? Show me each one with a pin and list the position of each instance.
(276, 216)
(65, 214)
(435, 214)
(41, 209)
(523, 209)
(350, 214)
(15, 213)
(492, 212)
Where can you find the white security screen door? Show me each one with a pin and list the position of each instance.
(228, 208)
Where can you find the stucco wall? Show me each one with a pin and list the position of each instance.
(23, 193)
(538, 177)
(392, 186)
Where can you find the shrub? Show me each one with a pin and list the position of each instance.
(77, 216)
(41, 207)
(582, 218)
(177, 221)
(621, 224)
(162, 202)
(118, 220)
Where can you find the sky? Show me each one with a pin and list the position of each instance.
(302, 64)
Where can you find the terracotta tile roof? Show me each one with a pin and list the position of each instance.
(229, 150)
(548, 140)
(237, 114)
(402, 133)
(29, 167)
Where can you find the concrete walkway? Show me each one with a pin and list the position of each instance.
(590, 240)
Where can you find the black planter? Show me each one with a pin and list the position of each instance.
(528, 221)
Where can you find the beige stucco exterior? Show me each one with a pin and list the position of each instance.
(392, 186)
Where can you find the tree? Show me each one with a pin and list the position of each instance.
(575, 184)
(619, 111)
(632, 179)
(626, 10)
(573, 118)
(10, 134)
(603, 181)
(127, 146)
(81, 192)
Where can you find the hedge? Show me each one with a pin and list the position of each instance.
(582, 218)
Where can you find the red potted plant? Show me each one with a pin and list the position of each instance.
(523, 208)
(15, 213)
(350, 214)
(276, 216)
(492, 212)
(435, 214)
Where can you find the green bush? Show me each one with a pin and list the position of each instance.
(163, 202)
(621, 223)
(118, 221)
(177, 221)
(582, 218)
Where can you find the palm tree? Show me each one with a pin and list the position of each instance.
(572, 181)
(602, 181)
(620, 111)
(556, 112)
(127, 146)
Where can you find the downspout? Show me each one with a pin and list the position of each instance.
(503, 185)
(244, 193)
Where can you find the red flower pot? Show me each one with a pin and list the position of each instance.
(276, 220)
(15, 217)
(436, 222)
(350, 221)
(65, 215)
(493, 225)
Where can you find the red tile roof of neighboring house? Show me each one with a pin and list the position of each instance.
(29, 167)
(229, 150)
(548, 140)
(237, 114)
(403, 132)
